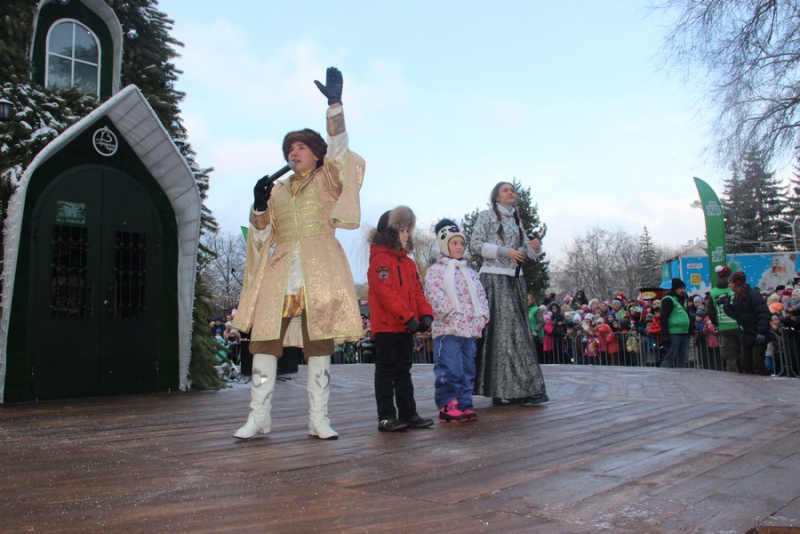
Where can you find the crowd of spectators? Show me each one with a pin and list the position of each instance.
(622, 331)
(585, 330)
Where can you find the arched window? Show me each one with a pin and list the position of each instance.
(73, 57)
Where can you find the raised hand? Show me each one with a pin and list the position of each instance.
(333, 86)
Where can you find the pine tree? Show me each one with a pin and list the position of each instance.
(739, 212)
(755, 204)
(536, 272)
(475, 261)
(793, 194)
(649, 268)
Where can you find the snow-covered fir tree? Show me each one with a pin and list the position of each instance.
(648, 264)
(754, 202)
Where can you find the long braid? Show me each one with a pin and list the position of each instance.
(519, 225)
(500, 232)
(493, 204)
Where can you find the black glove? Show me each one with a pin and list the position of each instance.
(333, 86)
(413, 324)
(261, 193)
(425, 324)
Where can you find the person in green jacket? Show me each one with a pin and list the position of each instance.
(536, 320)
(675, 326)
(727, 329)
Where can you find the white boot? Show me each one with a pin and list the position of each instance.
(265, 370)
(319, 389)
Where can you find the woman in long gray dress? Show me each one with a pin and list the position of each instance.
(507, 363)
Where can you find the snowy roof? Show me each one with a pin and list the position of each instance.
(137, 123)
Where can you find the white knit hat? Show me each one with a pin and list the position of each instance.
(445, 231)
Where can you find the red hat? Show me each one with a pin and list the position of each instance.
(723, 271)
(738, 278)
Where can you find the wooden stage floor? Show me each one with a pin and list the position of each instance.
(627, 450)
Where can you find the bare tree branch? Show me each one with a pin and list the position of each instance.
(749, 51)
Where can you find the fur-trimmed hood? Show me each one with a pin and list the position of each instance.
(386, 234)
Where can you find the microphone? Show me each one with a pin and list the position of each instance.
(280, 172)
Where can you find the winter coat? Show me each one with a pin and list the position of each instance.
(752, 315)
(712, 339)
(579, 299)
(485, 242)
(299, 230)
(395, 292)
(607, 339)
(559, 322)
(447, 320)
(547, 344)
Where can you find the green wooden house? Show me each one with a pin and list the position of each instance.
(101, 235)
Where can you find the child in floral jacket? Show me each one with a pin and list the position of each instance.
(460, 312)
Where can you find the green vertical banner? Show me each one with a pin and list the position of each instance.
(244, 233)
(715, 227)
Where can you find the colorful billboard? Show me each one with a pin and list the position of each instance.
(764, 271)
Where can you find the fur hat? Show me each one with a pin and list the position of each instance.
(677, 283)
(389, 225)
(738, 278)
(446, 230)
(308, 137)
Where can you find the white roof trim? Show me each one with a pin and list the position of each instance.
(138, 124)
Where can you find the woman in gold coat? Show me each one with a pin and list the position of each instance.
(296, 267)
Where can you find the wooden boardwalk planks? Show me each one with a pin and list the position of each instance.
(617, 449)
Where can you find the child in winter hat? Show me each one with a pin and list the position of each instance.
(460, 311)
(398, 311)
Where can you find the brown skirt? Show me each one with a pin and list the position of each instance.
(321, 347)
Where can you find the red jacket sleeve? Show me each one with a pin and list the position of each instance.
(384, 285)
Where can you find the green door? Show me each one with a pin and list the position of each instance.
(94, 314)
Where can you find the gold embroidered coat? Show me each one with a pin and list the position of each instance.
(326, 201)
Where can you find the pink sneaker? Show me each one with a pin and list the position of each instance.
(451, 414)
(470, 414)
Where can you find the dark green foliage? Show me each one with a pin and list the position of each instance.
(649, 266)
(16, 23)
(475, 261)
(754, 202)
(201, 369)
(535, 272)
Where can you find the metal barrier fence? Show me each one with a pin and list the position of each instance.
(786, 359)
(629, 349)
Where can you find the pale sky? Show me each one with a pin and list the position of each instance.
(444, 99)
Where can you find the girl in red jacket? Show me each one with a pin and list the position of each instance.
(398, 309)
